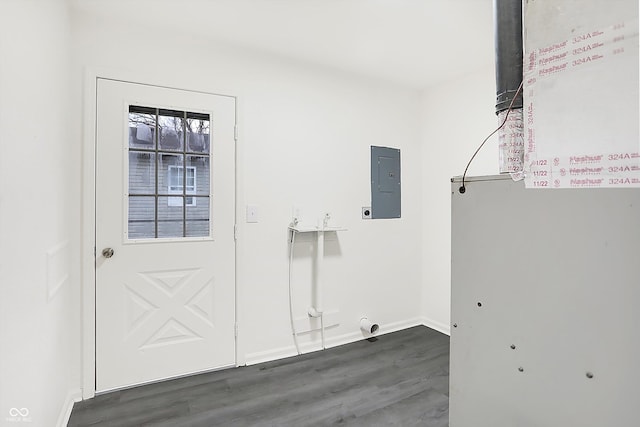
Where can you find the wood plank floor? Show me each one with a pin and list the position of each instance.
(398, 379)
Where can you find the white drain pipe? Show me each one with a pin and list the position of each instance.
(368, 327)
(317, 309)
(291, 247)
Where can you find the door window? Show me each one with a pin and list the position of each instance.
(169, 173)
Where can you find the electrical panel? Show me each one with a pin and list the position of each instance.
(385, 182)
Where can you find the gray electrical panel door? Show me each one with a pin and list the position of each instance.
(545, 286)
(385, 182)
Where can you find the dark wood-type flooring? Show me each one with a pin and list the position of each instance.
(398, 379)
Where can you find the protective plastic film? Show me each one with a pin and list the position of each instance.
(511, 141)
(581, 95)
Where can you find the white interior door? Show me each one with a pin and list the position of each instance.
(165, 249)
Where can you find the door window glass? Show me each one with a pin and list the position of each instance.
(169, 173)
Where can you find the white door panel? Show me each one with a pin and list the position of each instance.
(164, 306)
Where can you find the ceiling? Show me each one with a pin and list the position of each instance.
(414, 43)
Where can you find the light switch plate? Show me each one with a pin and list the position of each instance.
(252, 213)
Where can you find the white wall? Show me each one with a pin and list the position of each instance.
(456, 116)
(305, 137)
(39, 272)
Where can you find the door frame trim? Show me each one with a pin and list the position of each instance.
(88, 226)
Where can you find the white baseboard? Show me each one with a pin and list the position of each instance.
(269, 355)
(283, 352)
(438, 326)
(65, 412)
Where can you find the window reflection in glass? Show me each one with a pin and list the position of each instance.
(142, 127)
(170, 218)
(142, 172)
(171, 130)
(197, 133)
(142, 217)
(198, 218)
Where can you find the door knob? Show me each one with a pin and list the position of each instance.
(107, 252)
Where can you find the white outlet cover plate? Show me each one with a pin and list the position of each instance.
(366, 212)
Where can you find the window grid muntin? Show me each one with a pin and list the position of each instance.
(185, 116)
